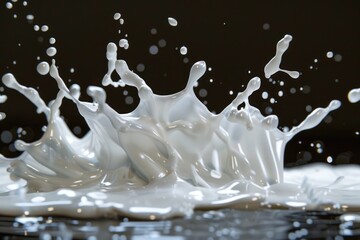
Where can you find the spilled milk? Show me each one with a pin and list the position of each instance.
(167, 157)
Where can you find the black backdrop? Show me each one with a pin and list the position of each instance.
(235, 38)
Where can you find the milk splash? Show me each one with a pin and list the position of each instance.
(169, 156)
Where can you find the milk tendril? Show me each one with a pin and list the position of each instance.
(167, 157)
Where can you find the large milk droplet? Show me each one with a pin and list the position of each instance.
(172, 21)
(354, 95)
(43, 68)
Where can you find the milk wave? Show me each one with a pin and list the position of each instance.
(169, 156)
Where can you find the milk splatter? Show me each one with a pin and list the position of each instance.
(169, 156)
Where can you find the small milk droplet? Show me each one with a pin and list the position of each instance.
(172, 21)
(183, 50)
(266, 26)
(153, 50)
(52, 40)
(44, 28)
(43, 68)
(36, 28)
(329, 54)
(265, 95)
(51, 51)
(337, 57)
(29, 17)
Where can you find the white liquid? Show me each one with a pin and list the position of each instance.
(43, 68)
(3, 99)
(354, 95)
(183, 50)
(167, 157)
(172, 22)
(124, 43)
(52, 40)
(51, 51)
(117, 16)
(274, 64)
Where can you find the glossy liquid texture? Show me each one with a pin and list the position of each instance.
(169, 156)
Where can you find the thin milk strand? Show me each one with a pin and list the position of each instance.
(273, 66)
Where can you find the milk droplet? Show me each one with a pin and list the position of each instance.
(203, 92)
(43, 68)
(117, 16)
(6, 136)
(266, 26)
(3, 98)
(140, 67)
(354, 95)
(30, 17)
(153, 31)
(264, 95)
(162, 43)
(51, 51)
(337, 58)
(124, 43)
(36, 27)
(153, 50)
(183, 50)
(329, 54)
(52, 40)
(44, 28)
(9, 5)
(2, 116)
(129, 100)
(172, 21)
(273, 66)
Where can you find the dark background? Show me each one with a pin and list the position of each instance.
(228, 35)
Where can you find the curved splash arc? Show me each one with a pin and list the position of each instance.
(172, 141)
